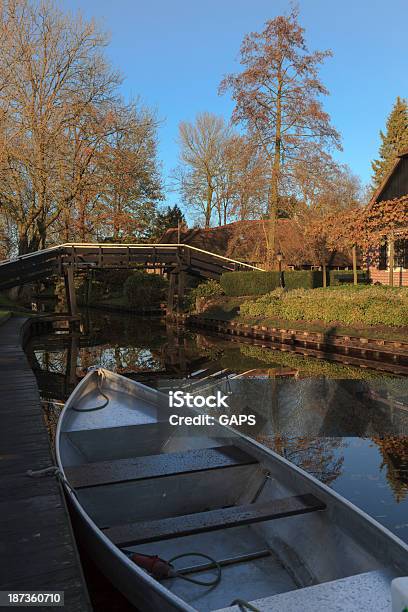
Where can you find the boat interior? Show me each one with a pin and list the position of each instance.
(157, 489)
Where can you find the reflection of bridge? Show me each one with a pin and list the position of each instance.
(177, 260)
(175, 362)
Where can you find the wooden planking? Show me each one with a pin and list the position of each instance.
(213, 520)
(157, 466)
(38, 550)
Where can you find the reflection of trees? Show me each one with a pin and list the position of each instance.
(51, 361)
(51, 413)
(119, 358)
(315, 455)
(394, 451)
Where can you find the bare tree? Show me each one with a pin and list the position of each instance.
(201, 146)
(325, 186)
(242, 181)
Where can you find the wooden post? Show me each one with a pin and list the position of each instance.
(181, 288)
(70, 291)
(391, 258)
(354, 251)
(89, 283)
(324, 275)
(170, 294)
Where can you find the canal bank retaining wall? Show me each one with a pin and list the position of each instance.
(379, 354)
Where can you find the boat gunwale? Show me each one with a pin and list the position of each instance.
(117, 552)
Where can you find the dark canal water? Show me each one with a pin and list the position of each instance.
(346, 426)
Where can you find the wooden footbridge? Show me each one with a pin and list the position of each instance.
(64, 260)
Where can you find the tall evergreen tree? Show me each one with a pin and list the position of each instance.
(393, 142)
(168, 218)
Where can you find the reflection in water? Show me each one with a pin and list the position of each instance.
(394, 451)
(349, 431)
(318, 456)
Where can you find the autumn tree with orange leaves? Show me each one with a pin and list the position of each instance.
(363, 229)
(60, 112)
(277, 97)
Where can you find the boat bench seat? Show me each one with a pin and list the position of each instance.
(142, 532)
(156, 466)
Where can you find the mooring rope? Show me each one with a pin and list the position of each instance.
(215, 565)
(101, 377)
(52, 470)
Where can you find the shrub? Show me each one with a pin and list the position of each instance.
(103, 283)
(344, 277)
(362, 305)
(208, 289)
(142, 289)
(259, 283)
(199, 296)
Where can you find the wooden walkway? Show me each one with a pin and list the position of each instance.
(37, 547)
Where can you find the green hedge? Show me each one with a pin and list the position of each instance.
(345, 277)
(259, 283)
(303, 279)
(249, 283)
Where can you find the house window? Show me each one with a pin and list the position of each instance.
(401, 253)
(383, 255)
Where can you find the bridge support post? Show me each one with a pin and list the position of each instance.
(70, 291)
(181, 288)
(170, 294)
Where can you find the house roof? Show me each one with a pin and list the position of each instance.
(245, 241)
(377, 195)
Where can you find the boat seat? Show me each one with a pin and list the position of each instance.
(156, 466)
(221, 518)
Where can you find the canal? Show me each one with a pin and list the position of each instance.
(347, 426)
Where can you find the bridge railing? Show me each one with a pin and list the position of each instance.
(197, 260)
(175, 256)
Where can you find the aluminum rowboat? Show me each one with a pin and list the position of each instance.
(140, 487)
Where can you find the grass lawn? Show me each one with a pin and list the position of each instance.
(344, 311)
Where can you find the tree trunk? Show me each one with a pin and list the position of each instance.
(82, 224)
(354, 251)
(391, 260)
(219, 215)
(22, 242)
(208, 208)
(274, 190)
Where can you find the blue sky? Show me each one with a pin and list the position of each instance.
(174, 54)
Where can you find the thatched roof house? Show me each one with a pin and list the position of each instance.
(245, 241)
